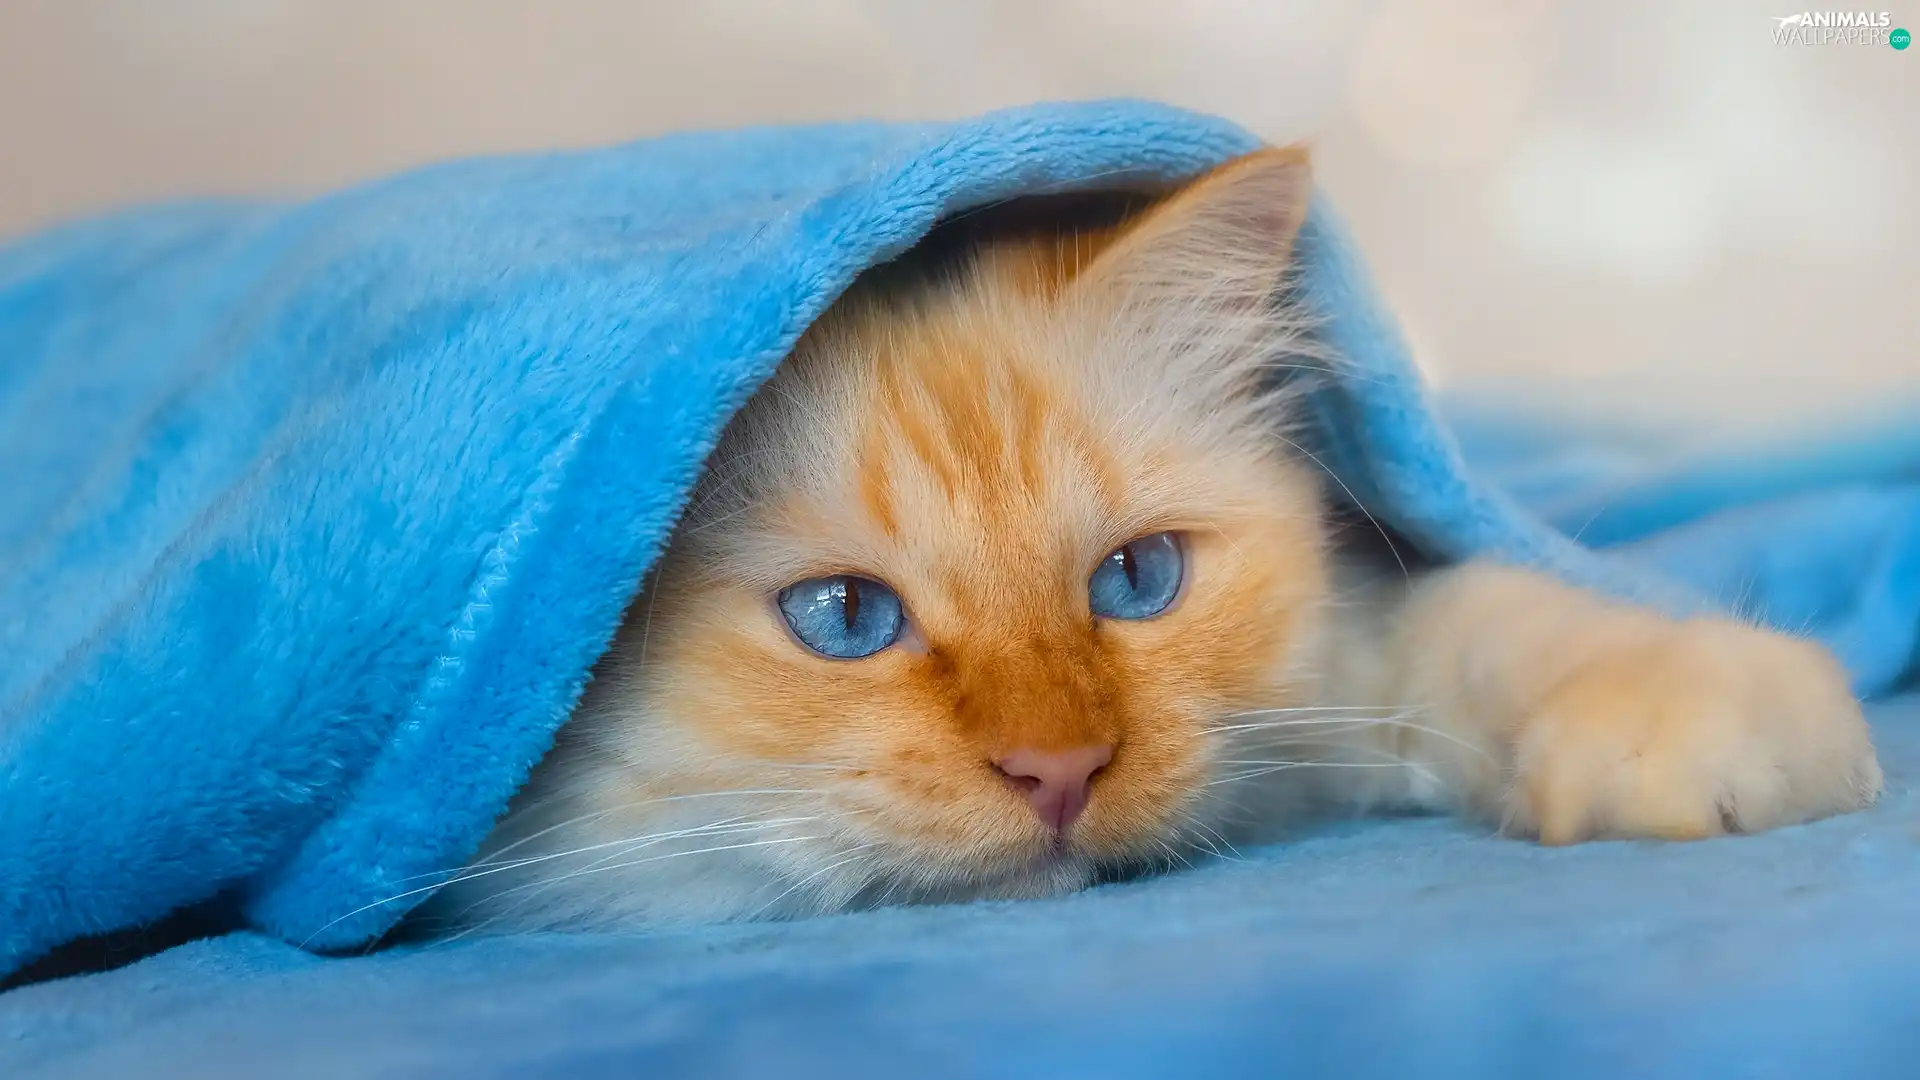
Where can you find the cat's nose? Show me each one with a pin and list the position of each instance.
(1054, 782)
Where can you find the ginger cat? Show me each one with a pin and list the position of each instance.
(1009, 580)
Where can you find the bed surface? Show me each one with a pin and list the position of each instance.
(1415, 947)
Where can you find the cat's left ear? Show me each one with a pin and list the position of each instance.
(1222, 241)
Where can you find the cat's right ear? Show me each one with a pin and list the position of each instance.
(1221, 242)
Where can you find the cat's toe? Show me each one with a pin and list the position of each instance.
(1713, 727)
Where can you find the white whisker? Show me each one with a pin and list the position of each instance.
(493, 856)
(1272, 767)
(735, 824)
(850, 855)
(1206, 835)
(1397, 721)
(602, 865)
(1405, 574)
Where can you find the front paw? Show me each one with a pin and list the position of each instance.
(1684, 730)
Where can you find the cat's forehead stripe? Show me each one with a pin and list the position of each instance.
(984, 425)
(876, 493)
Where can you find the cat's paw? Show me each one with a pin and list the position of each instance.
(1695, 729)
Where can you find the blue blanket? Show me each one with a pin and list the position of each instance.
(1418, 948)
(313, 517)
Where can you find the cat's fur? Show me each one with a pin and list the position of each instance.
(978, 436)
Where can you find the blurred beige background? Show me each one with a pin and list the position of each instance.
(1636, 204)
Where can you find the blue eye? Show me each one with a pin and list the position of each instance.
(1139, 579)
(842, 616)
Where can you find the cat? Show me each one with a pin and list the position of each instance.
(1011, 579)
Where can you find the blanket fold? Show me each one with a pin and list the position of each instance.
(313, 517)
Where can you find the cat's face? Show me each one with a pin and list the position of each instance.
(985, 566)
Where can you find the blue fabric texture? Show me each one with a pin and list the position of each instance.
(1411, 948)
(314, 516)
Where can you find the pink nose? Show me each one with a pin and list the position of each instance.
(1055, 783)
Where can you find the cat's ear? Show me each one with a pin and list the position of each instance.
(1223, 240)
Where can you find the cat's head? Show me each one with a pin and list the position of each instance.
(979, 574)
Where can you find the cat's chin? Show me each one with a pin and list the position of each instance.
(1020, 879)
(1022, 875)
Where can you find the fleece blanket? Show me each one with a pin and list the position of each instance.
(1414, 948)
(315, 516)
